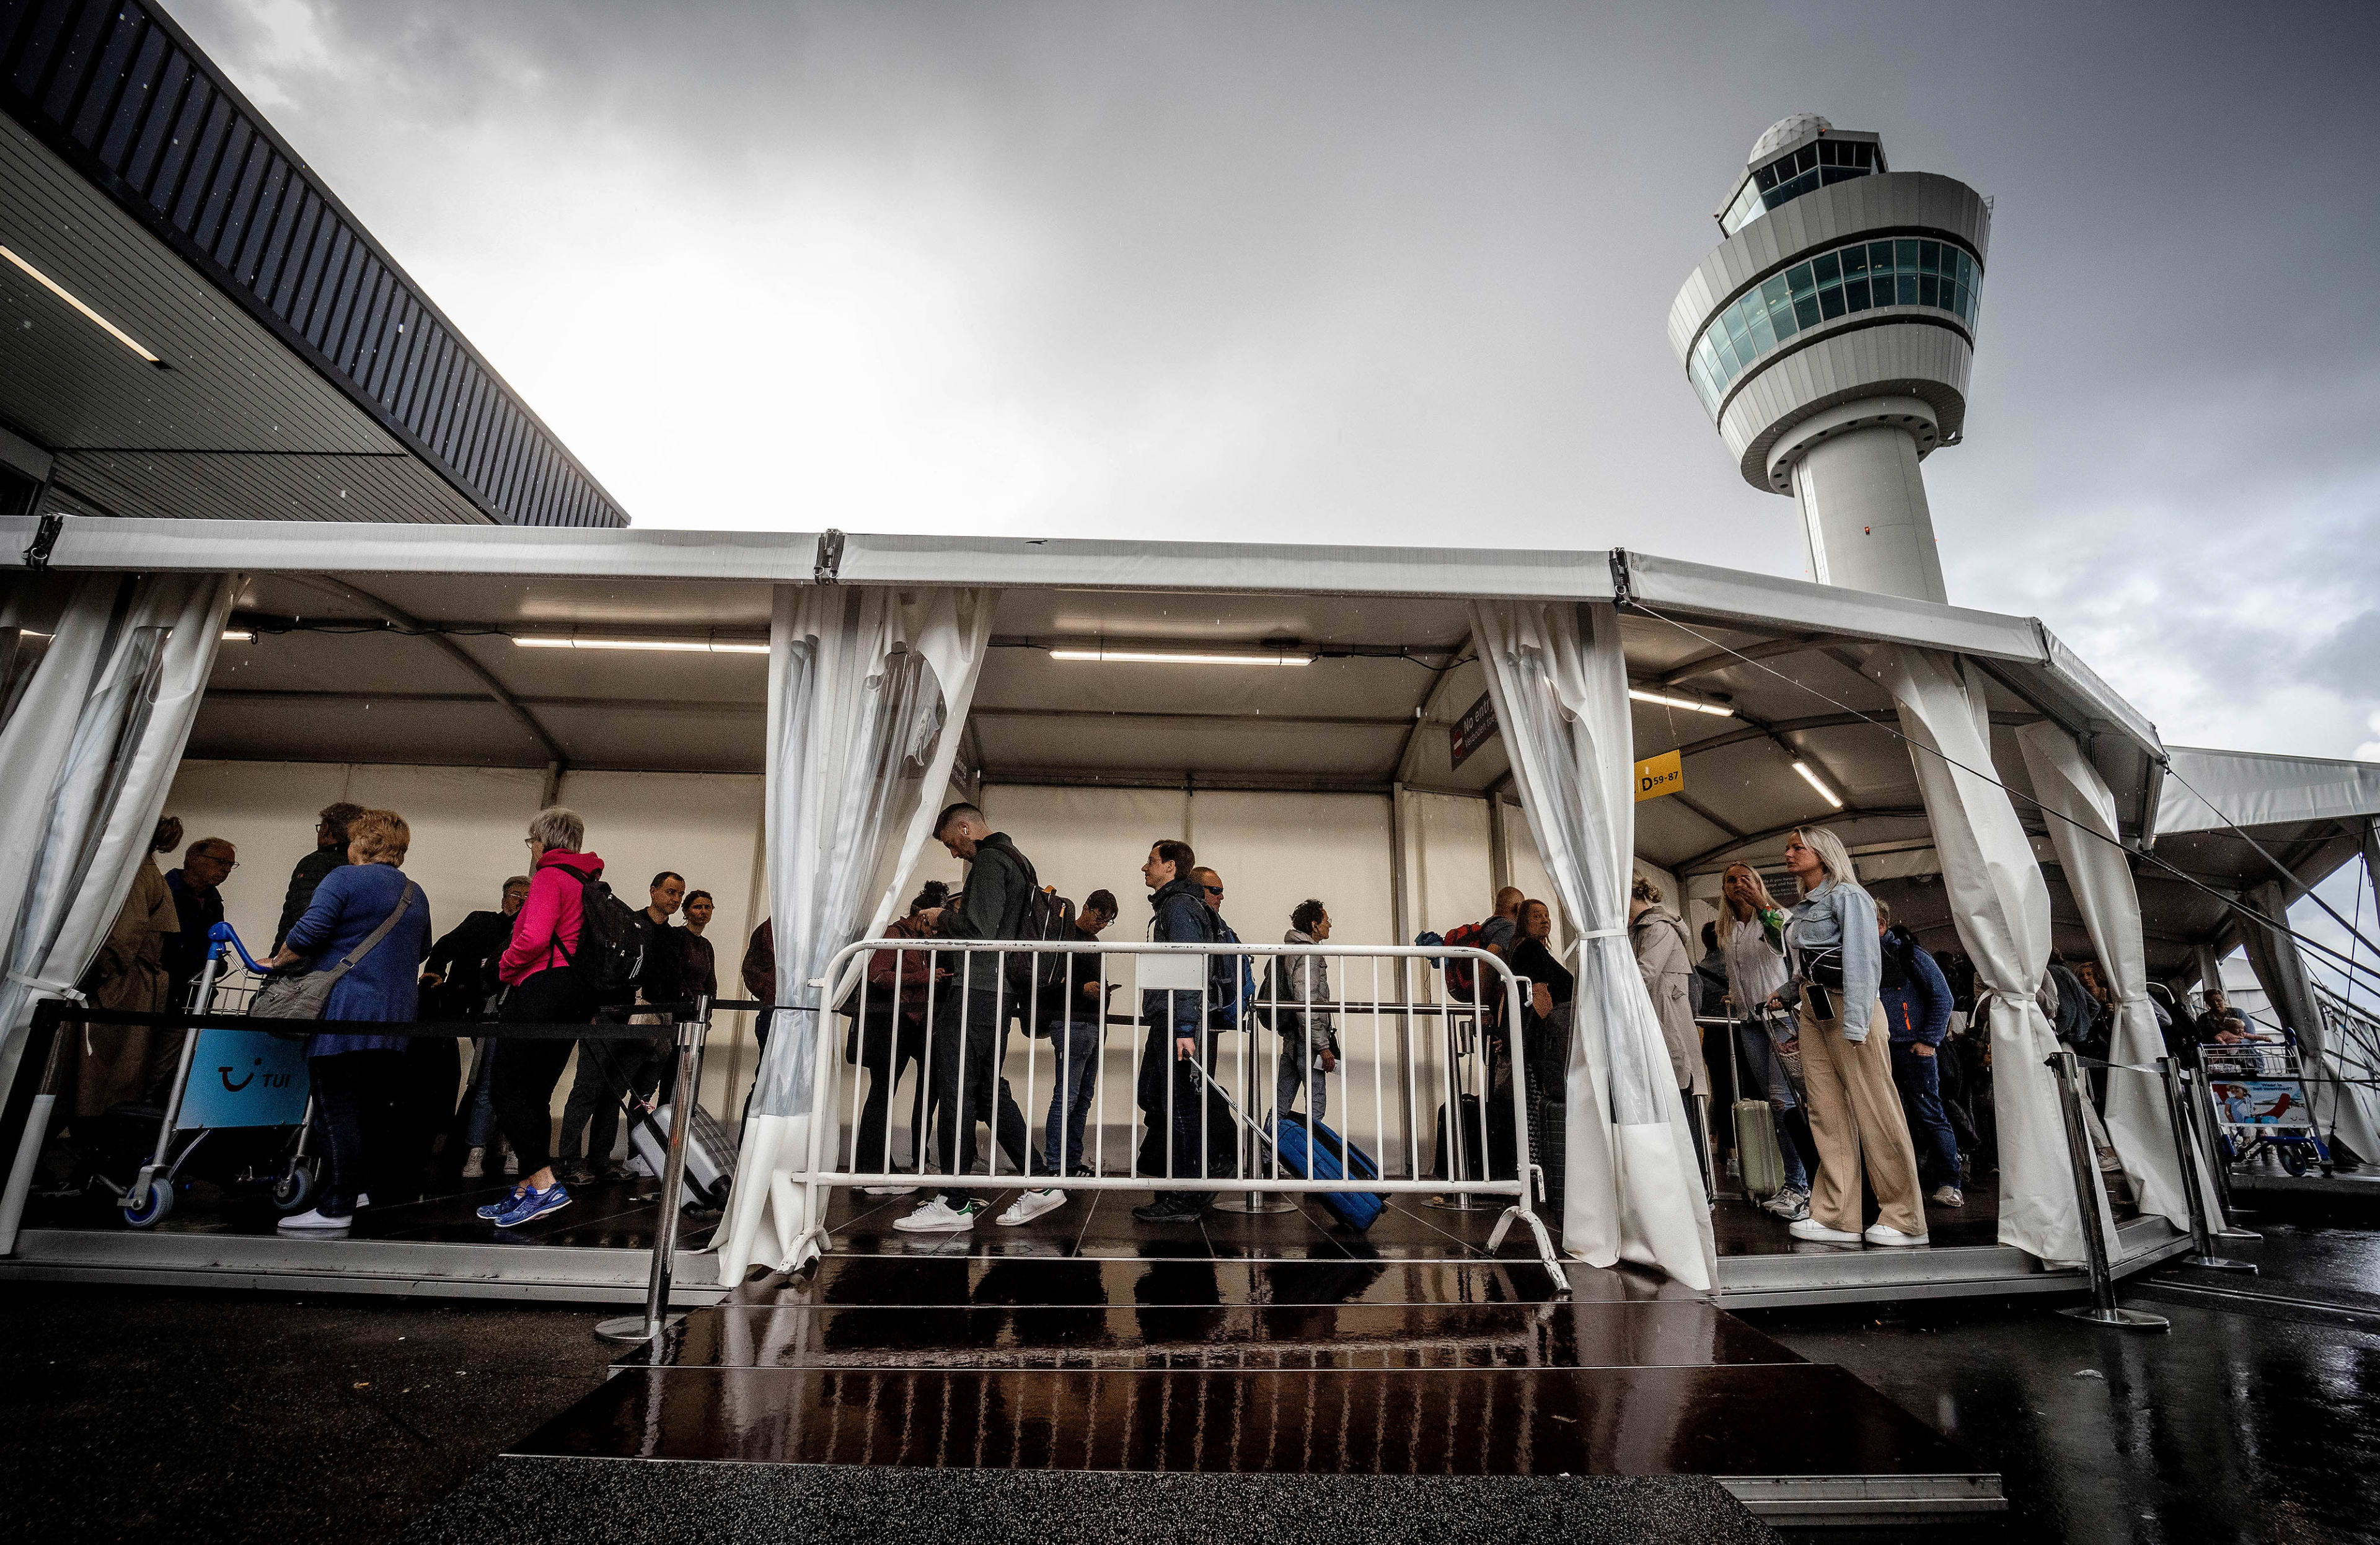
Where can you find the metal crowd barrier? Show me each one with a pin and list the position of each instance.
(689, 1023)
(968, 980)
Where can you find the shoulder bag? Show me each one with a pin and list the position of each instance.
(303, 997)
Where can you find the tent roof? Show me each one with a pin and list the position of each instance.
(1389, 628)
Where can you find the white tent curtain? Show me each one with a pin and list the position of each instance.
(85, 762)
(2000, 903)
(1635, 1189)
(2090, 849)
(2346, 1109)
(868, 689)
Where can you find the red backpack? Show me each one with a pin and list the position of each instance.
(1459, 973)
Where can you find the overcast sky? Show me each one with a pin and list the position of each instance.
(1399, 274)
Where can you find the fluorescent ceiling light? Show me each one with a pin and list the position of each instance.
(671, 646)
(119, 334)
(1665, 701)
(1812, 779)
(1171, 657)
(238, 636)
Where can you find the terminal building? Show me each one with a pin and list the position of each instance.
(277, 535)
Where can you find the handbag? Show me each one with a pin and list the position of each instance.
(303, 996)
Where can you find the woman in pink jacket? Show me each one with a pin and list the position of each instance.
(542, 989)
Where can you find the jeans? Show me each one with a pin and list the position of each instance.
(1919, 1079)
(527, 1070)
(355, 1101)
(1075, 1051)
(479, 1101)
(887, 1058)
(1752, 1039)
(1293, 1078)
(609, 1071)
(970, 1027)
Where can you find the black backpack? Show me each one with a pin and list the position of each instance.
(1049, 918)
(611, 940)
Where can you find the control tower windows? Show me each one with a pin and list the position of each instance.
(1805, 170)
(1859, 277)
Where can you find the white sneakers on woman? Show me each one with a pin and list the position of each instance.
(1809, 1228)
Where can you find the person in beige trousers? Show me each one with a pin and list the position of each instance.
(1854, 1111)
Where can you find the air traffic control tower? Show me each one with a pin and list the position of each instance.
(1829, 336)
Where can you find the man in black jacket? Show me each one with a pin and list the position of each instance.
(1172, 1093)
(330, 852)
(969, 1040)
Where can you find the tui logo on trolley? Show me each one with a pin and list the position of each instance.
(245, 1079)
(1658, 775)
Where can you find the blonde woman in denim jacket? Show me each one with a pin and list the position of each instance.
(1847, 1072)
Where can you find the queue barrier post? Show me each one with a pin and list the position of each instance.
(649, 1326)
(2102, 1309)
(2185, 1143)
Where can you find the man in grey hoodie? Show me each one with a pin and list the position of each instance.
(970, 1032)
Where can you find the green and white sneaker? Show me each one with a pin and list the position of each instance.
(937, 1216)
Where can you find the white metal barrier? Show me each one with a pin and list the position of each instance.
(941, 1010)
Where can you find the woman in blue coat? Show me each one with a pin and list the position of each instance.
(355, 1076)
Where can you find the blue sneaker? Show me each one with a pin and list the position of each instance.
(497, 1208)
(536, 1204)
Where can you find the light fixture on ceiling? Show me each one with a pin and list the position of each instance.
(239, 636)
(1814, 781)
(668, 646)
(1180, 657)
(119, 334)
(1669, 701)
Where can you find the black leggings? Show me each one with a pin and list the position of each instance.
(521, 1088)
(354, 1093)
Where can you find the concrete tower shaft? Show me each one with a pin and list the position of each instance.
(1830, 335)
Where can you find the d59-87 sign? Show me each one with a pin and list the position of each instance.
(1658, 775)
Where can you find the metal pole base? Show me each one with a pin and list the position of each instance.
(1259, 1202)
(2130, 1319)
(634, 1329)
(1462, 1202)
(2219, 1263)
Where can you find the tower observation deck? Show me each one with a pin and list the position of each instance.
(1829, 336)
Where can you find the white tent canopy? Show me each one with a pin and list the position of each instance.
(439, 646)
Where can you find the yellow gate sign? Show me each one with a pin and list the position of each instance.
(1658, 775)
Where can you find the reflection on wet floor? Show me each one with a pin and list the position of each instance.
(1232, 1366)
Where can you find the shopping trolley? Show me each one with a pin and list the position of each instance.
(228, 1080)
(2261, 1104)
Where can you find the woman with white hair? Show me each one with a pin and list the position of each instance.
(1830, 939)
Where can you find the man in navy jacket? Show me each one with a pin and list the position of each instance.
(1172, 1094)
(1917, 1012)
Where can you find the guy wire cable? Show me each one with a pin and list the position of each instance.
(2231, 903)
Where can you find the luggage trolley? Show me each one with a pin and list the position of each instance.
(244, 1079)
(2260, 1103)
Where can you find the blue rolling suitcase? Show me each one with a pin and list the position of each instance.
(1314, 1155)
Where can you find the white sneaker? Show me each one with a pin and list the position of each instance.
(1948, 1195)
(312, 1218)
(512, 1161)
(475, 1164)
(1030, 1205)
(1879, 1235)
(888, 1190)
(363, 1200)
(1809, 1228)
(1789, 1204)
(936, 1216)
